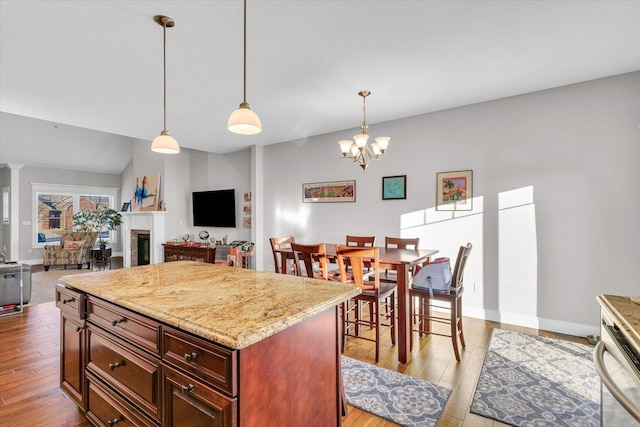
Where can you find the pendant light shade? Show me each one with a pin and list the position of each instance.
(243, 120)
(165, 143)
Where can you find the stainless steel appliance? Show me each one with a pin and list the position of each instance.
(15, 287)
(618, 365)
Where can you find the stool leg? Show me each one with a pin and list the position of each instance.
(454, 328)
(461, 331)
(411, 320)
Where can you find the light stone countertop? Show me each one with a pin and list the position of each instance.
(231, 306)
(626, 314)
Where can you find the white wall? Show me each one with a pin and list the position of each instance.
(556, 216)
(188, 171)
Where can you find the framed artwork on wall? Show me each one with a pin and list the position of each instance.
(329, 192)
(394, 187)
(454, 191)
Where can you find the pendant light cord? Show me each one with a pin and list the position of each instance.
(244, 85)
(164, 71)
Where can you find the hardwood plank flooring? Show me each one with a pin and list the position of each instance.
(29, 370)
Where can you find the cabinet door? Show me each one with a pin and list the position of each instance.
(188, 402)
(72, 360)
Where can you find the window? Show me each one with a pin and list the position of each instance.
(54, 206)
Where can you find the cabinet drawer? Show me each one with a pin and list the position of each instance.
(127, 369)
(137, 329)
(189, 402)
(70, 302)
(214, 364)
(106, 408)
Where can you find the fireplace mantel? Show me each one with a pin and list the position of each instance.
(148, 220)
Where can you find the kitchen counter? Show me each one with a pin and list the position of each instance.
(231, 306)
(626, 315)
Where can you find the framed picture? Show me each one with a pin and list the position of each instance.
(246, 209)
(125, 207)
(246, 222)
(329, 192)
(454, 191)
(394, 187)
(247, 196)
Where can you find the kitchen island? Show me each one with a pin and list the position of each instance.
(188, 343)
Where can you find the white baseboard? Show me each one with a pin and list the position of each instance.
(552, 325)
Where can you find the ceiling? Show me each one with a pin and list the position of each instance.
(98, 64)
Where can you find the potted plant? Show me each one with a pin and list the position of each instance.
(99, 220)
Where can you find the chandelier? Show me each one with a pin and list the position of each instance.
(359, 151)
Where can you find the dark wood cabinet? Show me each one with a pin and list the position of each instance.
(123, 368)
(72, 344)
(192, 253)
(189, 402)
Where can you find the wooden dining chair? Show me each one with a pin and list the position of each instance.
(362, 241)
(312, 259)
(280, 258)
(398, 243)
(421, 321)
(374, 292)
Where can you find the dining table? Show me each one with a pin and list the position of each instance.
(402, 261)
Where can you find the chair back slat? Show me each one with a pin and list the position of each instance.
(461, 262)
(402, 243)
(359, 258)
(310, 256)
(362, 241)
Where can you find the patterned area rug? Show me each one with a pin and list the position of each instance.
(537, 381)
(393, 396)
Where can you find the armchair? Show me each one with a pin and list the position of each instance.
(74, 249)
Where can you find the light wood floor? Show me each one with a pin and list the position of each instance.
(29, 370)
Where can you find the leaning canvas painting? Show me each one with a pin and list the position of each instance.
(146, 195)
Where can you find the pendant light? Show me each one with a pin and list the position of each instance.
(165, 143)
(244, 121)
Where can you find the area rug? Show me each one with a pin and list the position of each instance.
(398, 398)
(537, 381)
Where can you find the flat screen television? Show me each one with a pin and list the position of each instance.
(214, 208)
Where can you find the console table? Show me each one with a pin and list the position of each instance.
(193, 253)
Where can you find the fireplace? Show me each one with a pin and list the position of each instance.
(140, 247)
(143, 231)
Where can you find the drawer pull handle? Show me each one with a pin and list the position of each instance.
(79, 328)
(113, 422)
(115, 322)
(190, 357)
(113, 366)
(187, 388)
(67, 301)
